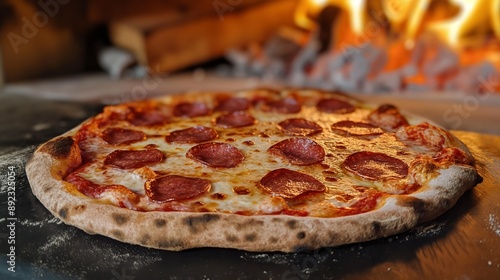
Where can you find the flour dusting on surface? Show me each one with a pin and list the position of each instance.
(16, 160)
(40, 223)
(429, 230)
(55, 241)
(299, 264)
(122, 256)
(274, 258)
(494, 224)
(62, 252)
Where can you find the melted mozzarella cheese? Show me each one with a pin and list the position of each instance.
(253, 141)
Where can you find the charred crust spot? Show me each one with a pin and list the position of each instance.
(251, 237)
(59, 148)
(291, 224)
(118, 234)
(169, 243)
(63, 212)
(251, 223)
(231, 238)
(145, 239)
(376, 227)
(419, 206)
(197, 223)
(119, 218)
(160, 223)
(301, 235)
(48, 189)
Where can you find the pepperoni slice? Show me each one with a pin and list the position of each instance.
(127, 159)
(290, 184)
(299, 151)
(235, 119)
(286, 105)
(147, 117)
(85, 186)
(196, 134)
(139, 114)
(116, 135)
(375, 166)
(348, 128)
(233, 104)
(387, 117)
(174, 187)
(190, 110)
(216, 154)
(299, 127)
(123, 196)
(335, 106)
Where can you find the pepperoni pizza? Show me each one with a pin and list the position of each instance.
(258, 170)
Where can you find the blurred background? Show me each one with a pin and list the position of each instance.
(436, 58)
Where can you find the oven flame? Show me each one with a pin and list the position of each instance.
(414, 19)
(310, 8)
(307, 9)
(372, 46)
(473, 16)
(495, 17)
(465, 22)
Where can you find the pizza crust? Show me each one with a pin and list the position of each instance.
(183, 230)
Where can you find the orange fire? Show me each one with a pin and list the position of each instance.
(457, 24)
(471, 28)
(308, 8)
